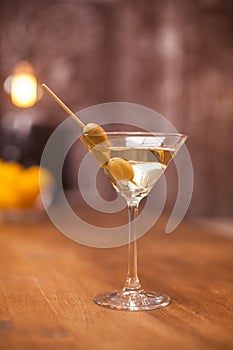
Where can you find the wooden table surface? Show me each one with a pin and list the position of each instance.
(48, 283)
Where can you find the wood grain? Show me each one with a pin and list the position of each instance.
(48, 283)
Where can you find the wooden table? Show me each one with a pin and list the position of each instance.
(48, 283)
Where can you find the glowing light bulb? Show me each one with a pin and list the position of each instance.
(24, 86)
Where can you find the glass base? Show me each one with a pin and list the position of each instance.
(133, 300)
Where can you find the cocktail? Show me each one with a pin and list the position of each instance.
(133, 163)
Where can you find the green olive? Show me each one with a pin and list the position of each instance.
(120, 169)
(94, 134)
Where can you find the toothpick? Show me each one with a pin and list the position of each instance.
(62, 104)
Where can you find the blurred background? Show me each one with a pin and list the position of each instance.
(173, 56)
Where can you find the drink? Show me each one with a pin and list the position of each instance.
(133, 162)
(147, 165)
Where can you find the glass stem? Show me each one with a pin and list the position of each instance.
(132, 280)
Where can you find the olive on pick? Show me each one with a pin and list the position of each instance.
(120, 169)
(94, 134)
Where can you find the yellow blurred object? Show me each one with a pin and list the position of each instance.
(20, 187)
(24, 85)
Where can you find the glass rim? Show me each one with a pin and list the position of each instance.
(137, 133)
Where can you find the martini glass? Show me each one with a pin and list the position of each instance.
(133, 163)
